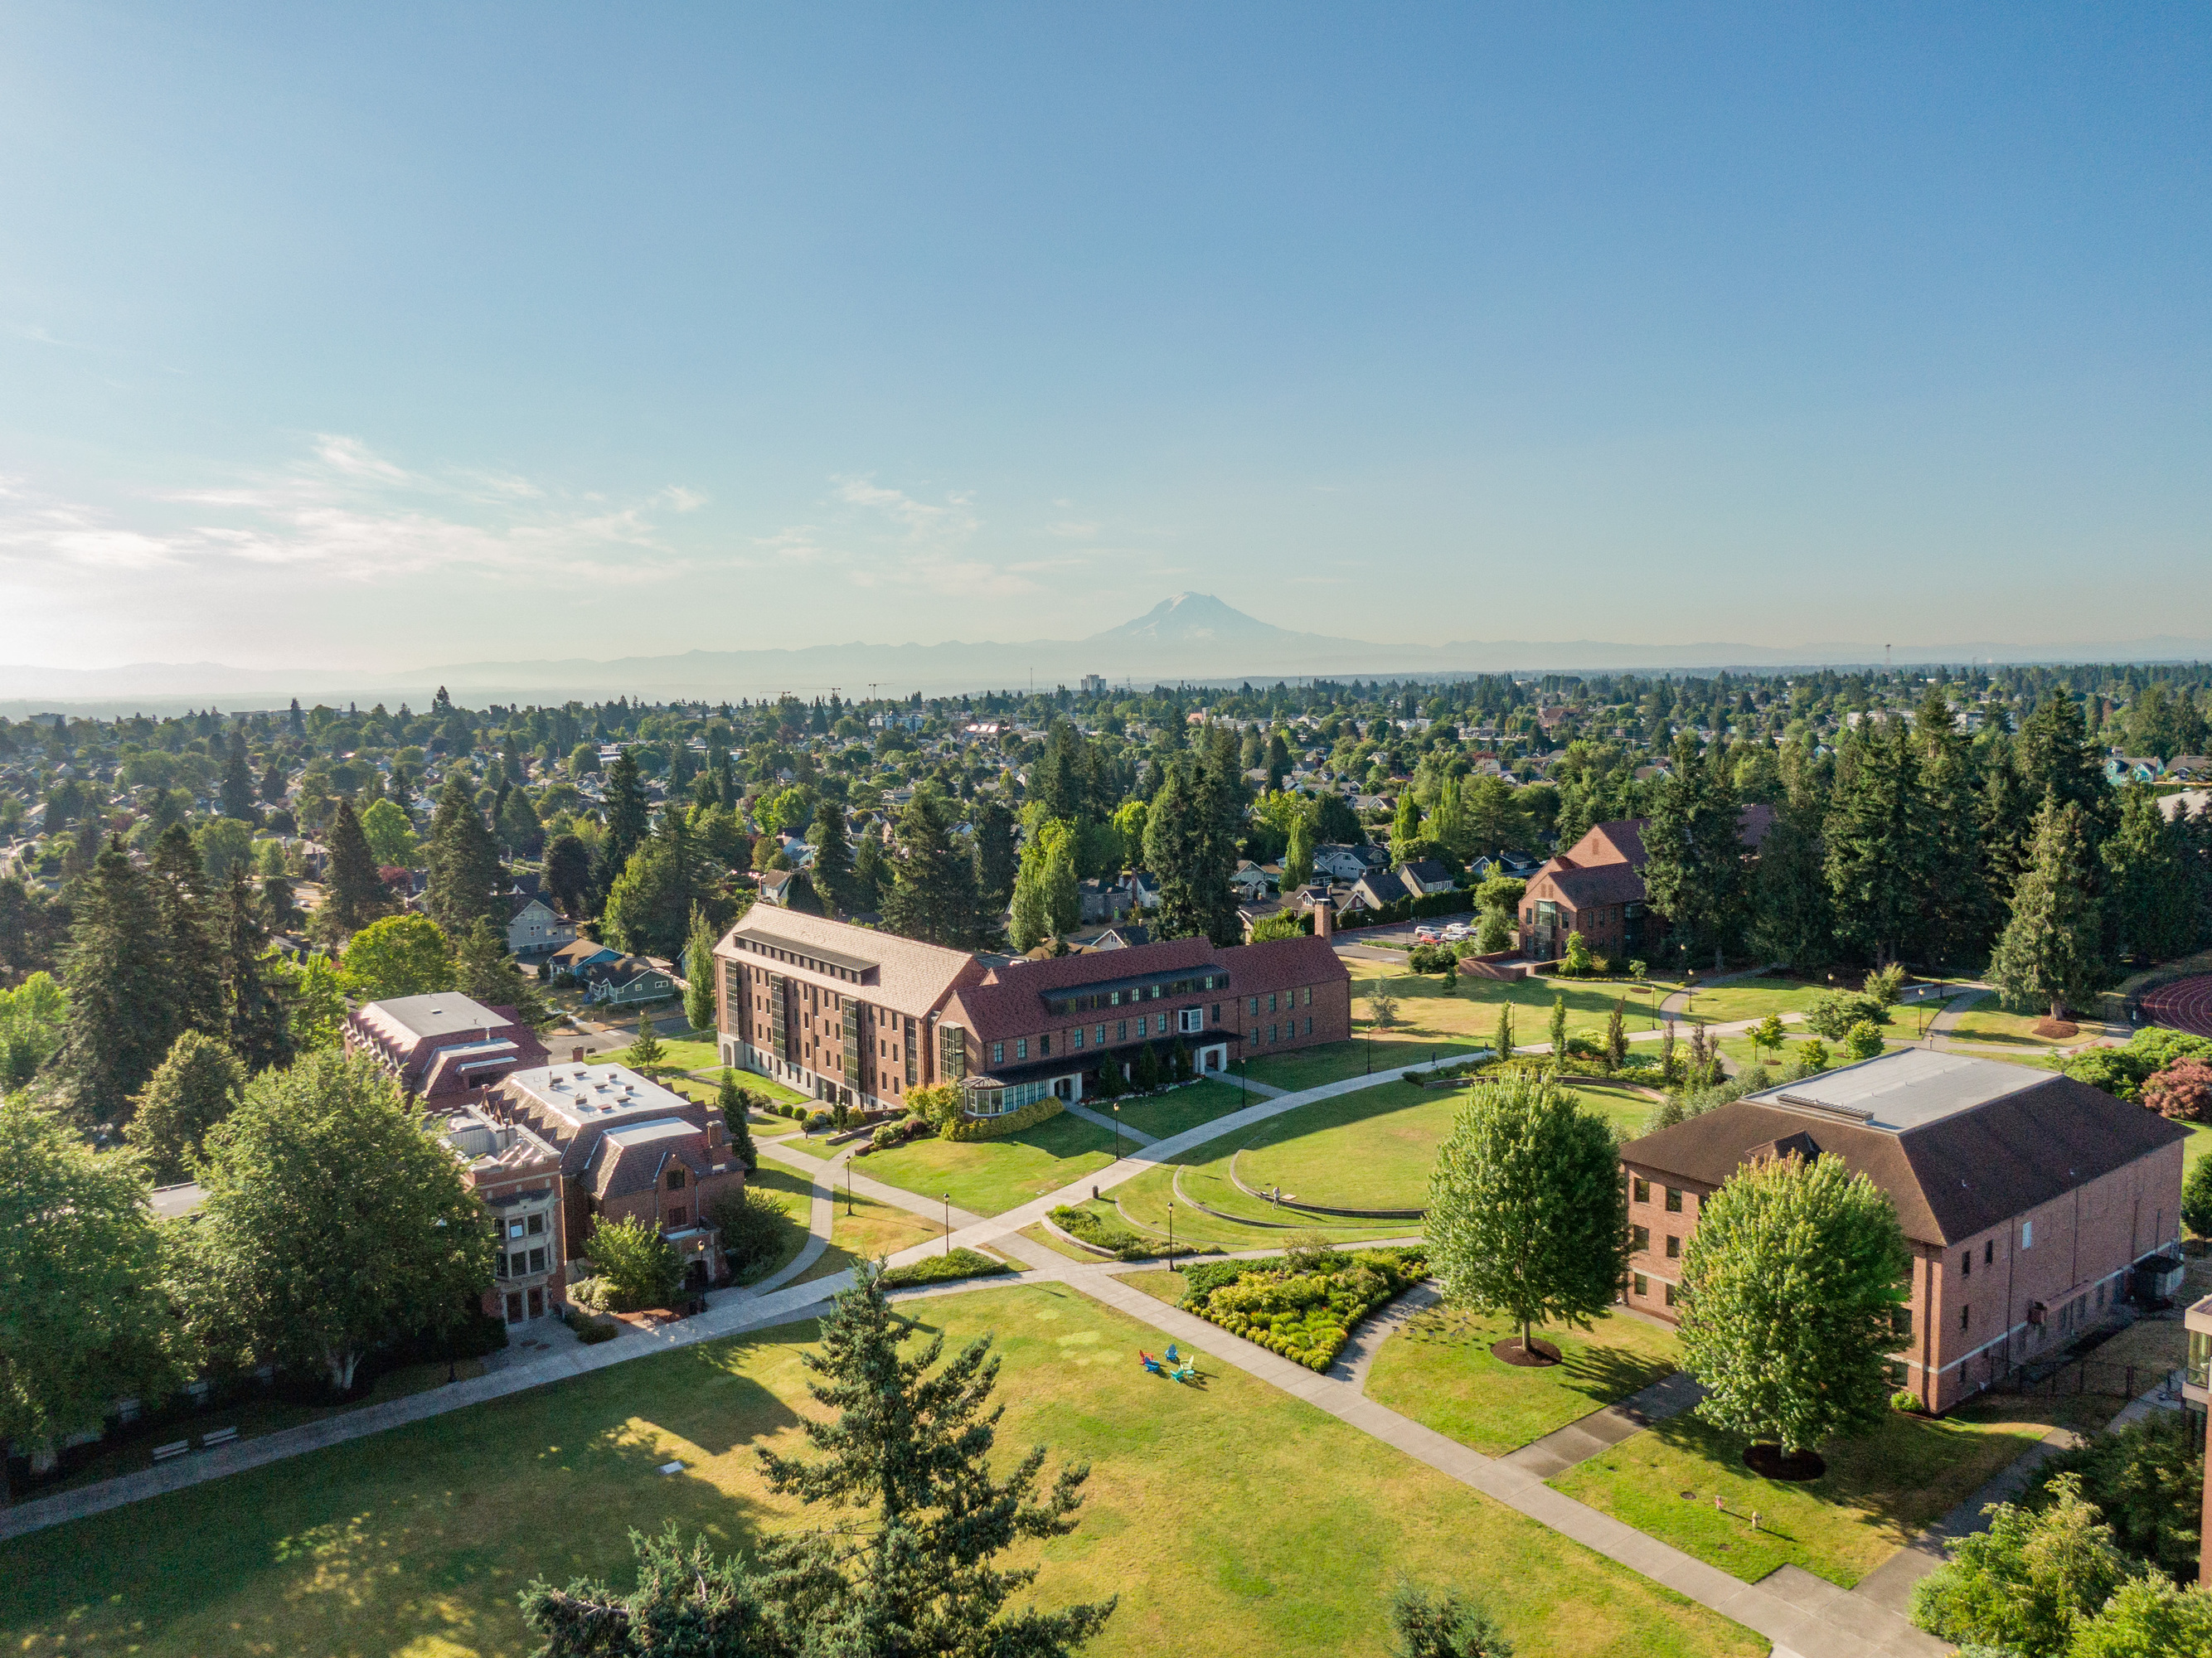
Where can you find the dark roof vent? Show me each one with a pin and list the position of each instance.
(1856, 1112)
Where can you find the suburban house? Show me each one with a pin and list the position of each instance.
(2029, 1199)
(627, 980)
(441, 1044)
(1251, 882)
(1376, 888)
(1596, 888)
(516, 1175)
(776, 887)
(1425, 876)
(533, 928)
(575, 957)
(1346, 863)
(865, 1017)
(627, 1147)
(1509, 866)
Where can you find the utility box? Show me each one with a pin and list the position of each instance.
(2159, 1280)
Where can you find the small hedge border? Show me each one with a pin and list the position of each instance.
(1322, 1302)
(1096, 1232)
(943, 1269)
(992, 1128)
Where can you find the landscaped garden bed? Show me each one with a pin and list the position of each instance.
(1303, 1306)
(944, 1269)
(1111, 1237)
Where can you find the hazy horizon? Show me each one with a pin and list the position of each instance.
(366, 342)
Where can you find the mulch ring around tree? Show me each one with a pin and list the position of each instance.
(1539, 1353)
(1772, 1462)
(2057, 1029)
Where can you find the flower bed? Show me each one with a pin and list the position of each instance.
(1099, 1233)
(1303, 1308)
(943, 1269)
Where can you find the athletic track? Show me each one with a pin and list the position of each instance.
(2184, 1004)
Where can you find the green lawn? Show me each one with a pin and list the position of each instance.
(1990, 1024)
(992, 1176)
(1186, 1108)
(1230, 1518)
(1370, 1149)
(872, 1229)
(1752, 999)
(797, 1191)
(1878, 1492)
(1439, 1371)
(1332, 1062)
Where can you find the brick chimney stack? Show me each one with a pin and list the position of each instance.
(1324, 917)
(576, 1055)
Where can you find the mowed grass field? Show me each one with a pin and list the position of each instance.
(992, 1176)
(1878, 1492)
(1438, 1371)
(1230, 1518)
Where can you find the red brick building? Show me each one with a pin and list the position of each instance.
(442, 1045)
(1596, 888)
(516, 1174)
(866, 1017)
(2028, 1198)
(627, 1146)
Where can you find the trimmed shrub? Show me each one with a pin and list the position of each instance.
(887, 1135)
(640, 1268)
(817, 1123)
(943, 1269)
(590, 1331)
(1833, 1013)
(992, 1128)
(1863, 1040)
(1104, 1234)
(1304, 1312)
(755, 1224)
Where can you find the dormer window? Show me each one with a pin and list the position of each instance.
(675, 1178)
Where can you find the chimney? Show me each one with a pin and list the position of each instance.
(575, 1056)
(1324, 916)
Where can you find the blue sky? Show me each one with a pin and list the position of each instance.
(434, 334)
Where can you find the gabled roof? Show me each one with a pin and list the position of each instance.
(1959, 1146)
(1381, 886)
(900, 974)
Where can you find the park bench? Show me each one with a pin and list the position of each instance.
(170, 1453)
(220, 1436)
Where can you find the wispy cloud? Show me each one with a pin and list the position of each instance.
(345, 512)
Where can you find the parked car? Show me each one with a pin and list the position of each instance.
(1426, 935)
(1456, 931)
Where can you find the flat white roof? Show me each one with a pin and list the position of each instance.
(1907, 1090)
(585, 1092)
(445, 1013)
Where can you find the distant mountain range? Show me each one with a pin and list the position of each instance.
(1192, 637)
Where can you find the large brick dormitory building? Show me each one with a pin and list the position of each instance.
(865, 1017)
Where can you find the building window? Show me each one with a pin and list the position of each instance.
(1639, 1238)
(1120, 1031)
(518, 1264)
(1670, 1294)
(678, 1216)
(537, 1261)
(1270, 1033)
(1021, 1048)
(1217, 1013)
(514, 1228)
(1305, 996)
(1674, 1200)
(1309, 1024)
(1990, 1253)
(1673, 1246)
(1044, 1047)
(675, 1178)
(1079, 1039)
(535, 1225)
(499, 1265)
(1643, 1285)
(1901, 1322)
(2027, 1235)
(1642, 1189)
(1966, 1315)
(1967, 1265)
(1271, 1002)
(998, 1052)
(1255, 1005)
(1102, 1036)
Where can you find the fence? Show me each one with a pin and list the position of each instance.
(2087, 1375)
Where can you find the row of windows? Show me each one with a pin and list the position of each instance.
(1643, 1288)
(1643, 1194)
(1279, 1033)
(1640, 1237)
(997, 1102)
(530, 1226)
(521, 1263)
(1090, 1001)
(1289, 998)
(1190, 1020)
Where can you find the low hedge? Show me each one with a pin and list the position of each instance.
(992, 1128)
(1305, 1311)
(943, 1269)
(1096, 1230)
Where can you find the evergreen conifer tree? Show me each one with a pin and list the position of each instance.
(645, 1054)
(1956, 889)
(518, 824)
(2152, 910)
(995, 865)
(1694, 840)
(464, 862)
(123, 1012)
(628, 823)
(356, 892)
(833, 855)
(257, 1025)
(730, 1100)
(237, 781)
(2048, 954)
(1616, 1035)
(484, 973)
(1559, 1032)
(1878, 834)
(188, 945)
(933, 895)
(700, 970)
(1502, 1043)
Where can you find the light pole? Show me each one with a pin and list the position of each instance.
(848, 1186)
(1117, 1130)
(1171, 1266)
(948, 1225)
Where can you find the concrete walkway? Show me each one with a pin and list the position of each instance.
(1677, 1003)
(1106, 1120)
(821, 1215)
(1600, 1430)
(1357, 1358)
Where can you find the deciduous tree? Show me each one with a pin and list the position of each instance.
(398, 956)
(397, 1244)
(191, 1091)
(1526, 1212)
(1791, 1284)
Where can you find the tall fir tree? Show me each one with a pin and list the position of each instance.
(257, 1025)
(2151, 909)
(628, 823)
(2049, 953)
(932, 895)
(178, 880)
(1191, 836)
(1877, 836)
(1960, 911)
(237, 781)
(833, 855)
(1695, 844)
(648, 909)
(484, 973)
(2059, 759)
(518, 827)
(994, 827)
(123, 1012)
(464, 862)
(356, 892)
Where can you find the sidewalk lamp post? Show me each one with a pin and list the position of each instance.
(1117, 1130)
(948, 1225)
(1171, 1266)
(848, 1186)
